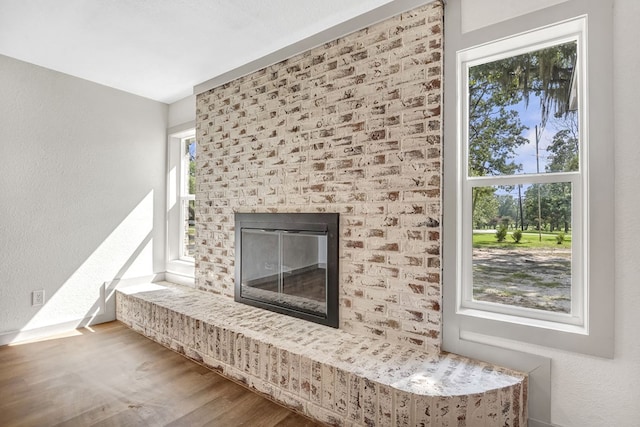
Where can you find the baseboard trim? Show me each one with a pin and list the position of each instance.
(180, 279)
(46, 331)
(106, 312)
(538, 423)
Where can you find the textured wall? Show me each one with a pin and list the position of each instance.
(353, 127)
(82, 195)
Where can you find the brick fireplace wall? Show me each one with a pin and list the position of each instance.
(354, 127)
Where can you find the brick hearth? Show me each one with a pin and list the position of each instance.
(327, 374)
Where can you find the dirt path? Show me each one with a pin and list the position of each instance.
(531, 278)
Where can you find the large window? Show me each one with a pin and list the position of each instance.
(522, 178)
(528, 182)
(528, 186)
(181, 186)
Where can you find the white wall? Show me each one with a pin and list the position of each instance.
(589, 391)
(182, 111)
(478, 14)
(82, 195)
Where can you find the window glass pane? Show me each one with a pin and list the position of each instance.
(190, 165)
(188, 189)
(286, 269)
(523, 113)
(189, 225)
(522, 245)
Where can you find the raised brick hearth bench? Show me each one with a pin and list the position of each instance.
(324, 373)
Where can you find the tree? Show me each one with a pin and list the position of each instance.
(192, 177)
(190, 154)
(485, 211)
(531, 205)
(564, 149)
(555, 205)
(563, 157)
(495, 131)
(559, 205)
(548, 73)
(507, 207)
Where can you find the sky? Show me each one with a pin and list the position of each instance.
(530, 117)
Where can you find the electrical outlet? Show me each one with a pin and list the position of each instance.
(37, 298)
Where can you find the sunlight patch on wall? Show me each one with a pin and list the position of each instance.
(126, 253)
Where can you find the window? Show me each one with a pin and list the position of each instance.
(187, 197)
(522, 178)
(181, 156)
(528, 182)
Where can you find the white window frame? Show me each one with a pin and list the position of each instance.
(179, 268)
(591, 332)
(184, 196)
(576, 321)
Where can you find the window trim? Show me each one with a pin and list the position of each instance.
(178, 269)
(519, 347)
(573, 30)
(598, 186)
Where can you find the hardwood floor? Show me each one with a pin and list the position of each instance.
(115, 377)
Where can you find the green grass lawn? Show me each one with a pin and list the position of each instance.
(529, 240)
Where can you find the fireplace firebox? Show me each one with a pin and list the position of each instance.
(288, 263)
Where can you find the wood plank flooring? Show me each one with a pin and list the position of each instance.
(113, 376)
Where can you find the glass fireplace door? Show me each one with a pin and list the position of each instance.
(304, 266)
(287, 268)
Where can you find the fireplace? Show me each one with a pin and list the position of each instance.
(288, 263)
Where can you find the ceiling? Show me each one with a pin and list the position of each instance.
(160, 49)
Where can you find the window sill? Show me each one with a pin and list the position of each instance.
(181, 272)
(526, 321)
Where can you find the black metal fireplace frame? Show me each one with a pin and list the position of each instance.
(312, 222)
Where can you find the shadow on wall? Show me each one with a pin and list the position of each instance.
(87, 296)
